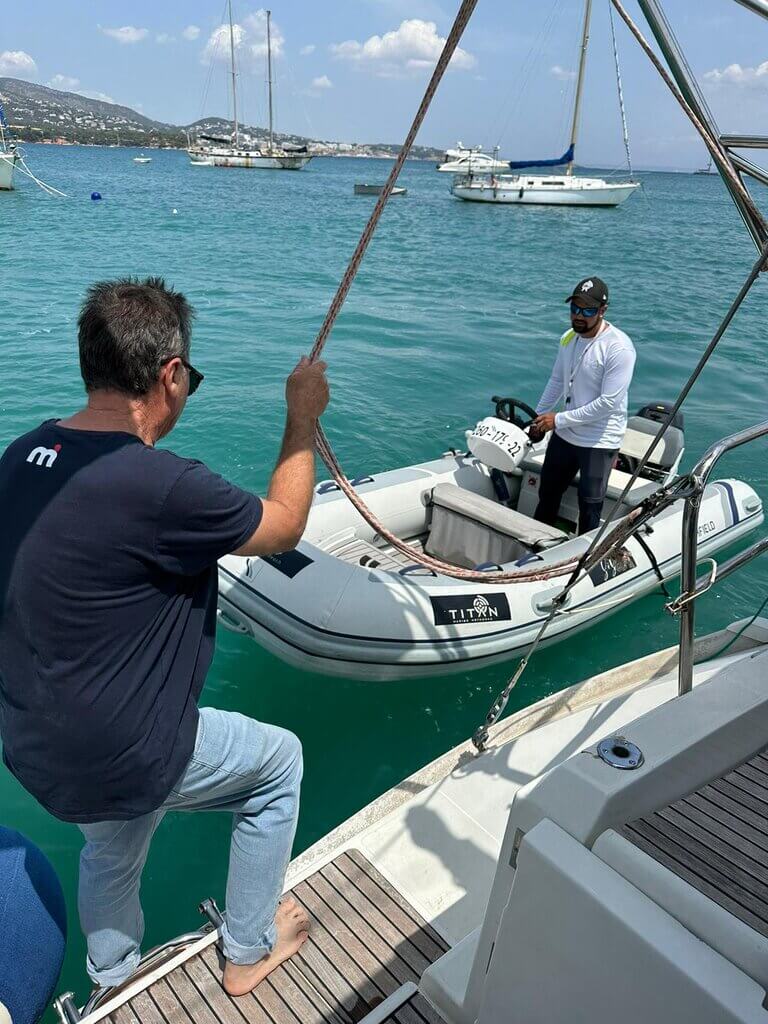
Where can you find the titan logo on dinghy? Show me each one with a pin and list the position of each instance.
(462, 609)
(289, 563)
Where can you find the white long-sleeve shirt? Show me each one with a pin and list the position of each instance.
(591, 377)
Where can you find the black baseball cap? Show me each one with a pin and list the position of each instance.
(591, 288)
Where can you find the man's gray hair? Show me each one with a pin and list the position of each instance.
(127, 330)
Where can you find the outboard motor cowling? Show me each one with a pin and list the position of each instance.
(498, 444)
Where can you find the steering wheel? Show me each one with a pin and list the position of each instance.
(506, 409)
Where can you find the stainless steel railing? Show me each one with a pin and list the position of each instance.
(690, 587)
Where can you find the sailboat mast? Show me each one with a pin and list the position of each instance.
(269, 77)
(580, 79)
(234, 73)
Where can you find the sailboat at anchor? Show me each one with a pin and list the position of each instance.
(273, 156)
(552, 189)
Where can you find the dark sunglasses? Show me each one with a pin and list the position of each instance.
(195, 377)
(588, 311)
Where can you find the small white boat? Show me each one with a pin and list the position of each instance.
(376, 190)
(9, 156)
(471, 161)
(345, 603)
(543, 189)
(142, 159)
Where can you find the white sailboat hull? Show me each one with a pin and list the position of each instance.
(544, 190)
(7, 164)
(252, 159)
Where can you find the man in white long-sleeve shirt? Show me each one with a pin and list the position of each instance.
(591, 377)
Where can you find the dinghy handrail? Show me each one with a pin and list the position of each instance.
(690, 587)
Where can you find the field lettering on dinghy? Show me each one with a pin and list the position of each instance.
(705, 528)
(460, 609)
(289, 563)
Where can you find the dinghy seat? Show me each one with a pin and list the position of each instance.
(470, 530)
(639, 438)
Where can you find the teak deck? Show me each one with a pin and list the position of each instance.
(717, 840)
(366, 942)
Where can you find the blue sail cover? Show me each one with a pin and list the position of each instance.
(566, 158)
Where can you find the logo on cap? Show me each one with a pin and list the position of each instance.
(587, 285)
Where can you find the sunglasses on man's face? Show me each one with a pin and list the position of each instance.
(585, 311)
(195, 377)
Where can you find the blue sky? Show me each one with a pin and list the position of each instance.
(353, 70)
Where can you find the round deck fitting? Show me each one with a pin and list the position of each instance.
(618, 752)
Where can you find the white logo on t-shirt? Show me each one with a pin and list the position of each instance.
(44, 456)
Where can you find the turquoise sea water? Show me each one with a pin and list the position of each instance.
(454, 302)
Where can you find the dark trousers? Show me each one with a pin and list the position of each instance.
(561, 463)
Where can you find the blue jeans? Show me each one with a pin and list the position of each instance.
(239, 765)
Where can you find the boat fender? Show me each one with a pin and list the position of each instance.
(520, 193)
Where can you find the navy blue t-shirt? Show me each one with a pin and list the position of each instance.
(108, 553)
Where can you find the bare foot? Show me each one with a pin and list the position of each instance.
(292, 925)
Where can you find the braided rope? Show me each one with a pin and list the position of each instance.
(323, 446)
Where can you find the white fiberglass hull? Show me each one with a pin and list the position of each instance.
(486, 165)
(252, 159)
(329, 609)
(545, 191)
(7, 164)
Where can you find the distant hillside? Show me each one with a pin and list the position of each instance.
(37, 113)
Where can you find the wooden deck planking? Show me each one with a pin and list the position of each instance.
(365, 942)
(716, 839)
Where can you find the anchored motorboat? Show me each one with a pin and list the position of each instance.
(142, 159)
(364, 189)
(464, 160)
(347, 603)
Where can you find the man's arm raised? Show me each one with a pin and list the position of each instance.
(289, 498)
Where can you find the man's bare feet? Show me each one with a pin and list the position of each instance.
(292, 925)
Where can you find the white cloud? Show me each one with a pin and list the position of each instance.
(562, 74)
(322, 82)
(164, 37)
(306, 50)
(414, 46)
(126, 34)
(17, 64)
(64, 82)
(250, 39)
(191, 32)
(736, 75)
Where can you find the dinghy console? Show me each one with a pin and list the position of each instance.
(501, 441)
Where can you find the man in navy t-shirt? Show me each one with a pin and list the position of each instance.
(108, 590)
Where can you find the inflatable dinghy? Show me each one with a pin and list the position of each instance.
(345, 603)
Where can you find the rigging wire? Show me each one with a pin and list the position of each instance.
(620, 91)
(480, 736)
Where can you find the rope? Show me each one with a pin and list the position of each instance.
(682, 488)
(624, 128)
(48, 189)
